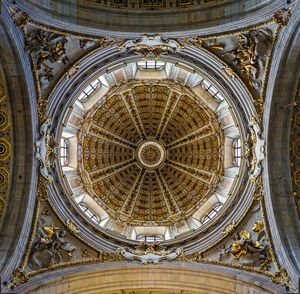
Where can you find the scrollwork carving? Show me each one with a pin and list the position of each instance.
(282, 16)
(46, 150)
(151, 46)
(150, 253)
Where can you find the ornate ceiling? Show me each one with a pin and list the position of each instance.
(145, 141)
(149, 150)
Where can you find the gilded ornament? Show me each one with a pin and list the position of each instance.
(84, 253)
(42, 191)
(45, 211)
(229, 229)
(281, 277)
(19, 276)
(50, 246)
(229, 71)
(42, 106)
(258, 227)
(282, 16)
(72, 71)
(71, 227)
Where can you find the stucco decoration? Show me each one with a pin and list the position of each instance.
(150, 253)
(151, 46)
(46, 150)
(255, 149)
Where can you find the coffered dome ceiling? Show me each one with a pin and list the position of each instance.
(147, 150)
(142, 144)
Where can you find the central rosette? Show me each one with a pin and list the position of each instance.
(150, 154)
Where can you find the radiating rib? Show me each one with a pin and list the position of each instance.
(171, 104)
(101, 174)
(133, 194)
(168, 197)
(128, 100)
(201, 133)
(101, 133)
(201, 175)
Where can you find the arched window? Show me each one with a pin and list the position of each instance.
(211, 213)
(93, 216)
(91, 88)
(64, 146)
(212, 90)
(151, 64)
(237, 151)
(150, 238)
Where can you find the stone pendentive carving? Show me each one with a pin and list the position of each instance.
(50, 247)
(53, 52)
(46, 150)
(248, 249)
(151, 46)
(254, 149)
(150, 253)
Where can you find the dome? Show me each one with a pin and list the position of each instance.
(138, 134)
(142, 143)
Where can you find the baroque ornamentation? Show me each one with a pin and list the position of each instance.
(46, 150)
(71, 227)
(282, 16)
(53, 53)
(254, 149)
(51, 246)
(150, 253)
(42, 191)
(151, 46)
(246, 55)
